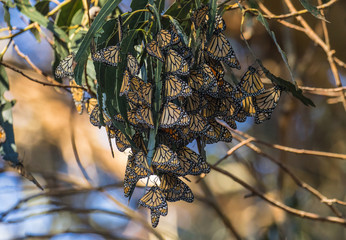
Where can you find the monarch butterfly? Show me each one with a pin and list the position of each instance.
(175, 87)
(169, 136)
(119, 118)
(237, 94)
(95, 117)
(226, 135)
(185, 120)
(97, 56)
(155, 217)
(2, 135)
(200, 16)
(166, 38)
(262, 116)
(165, 159)
(141, 166)
(138, 98)
(171, 115)
(132, 65)
(154, 50)
(232, 61)
(175, 63)
(125, 85)
(193, 103)
(133, 117)
(186, 53)
(155, 200)
(251, 83)
(130, 179)
(208, 74)
(267, 100)
(121, 141)
(138, 139)
(175, 34)
(90, 105)
(111, 132)
(219, 25)
(225, 89)
(248, 106)
(228, 107)
(213, 89)
(265, 104)
(190, 160)
(219, 47)
(145, 116)
(196, 80)
(111, 55)
(198, 123)
(78, 96)
(140, 91)
(231, 123)
(214, 132)
(175, 189)
(215, 66)
(241, 116)
(65, 67)
(212, 107)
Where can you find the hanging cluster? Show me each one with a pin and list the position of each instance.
(194, 95)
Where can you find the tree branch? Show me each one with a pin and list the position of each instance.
(273, 202)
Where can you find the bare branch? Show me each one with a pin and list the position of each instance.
(296, 212)
(40, 82)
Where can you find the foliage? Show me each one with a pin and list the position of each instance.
(154, 78)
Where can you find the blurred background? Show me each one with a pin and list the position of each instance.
(46, 124)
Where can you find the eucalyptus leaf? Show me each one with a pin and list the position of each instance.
(7, 17)
(312, 9)
(179, 9)
(264, 22)
(8, 149)
(84, 49)
(287, 86)
(67, 12)
(28, 10)
(42, 7)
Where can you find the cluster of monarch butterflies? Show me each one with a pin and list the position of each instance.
(194, 95)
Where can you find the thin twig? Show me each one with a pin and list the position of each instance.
(299, 182)
(30, 26)
(297, 13)
(66, 209)
(296, 212)
(283, 22)
(325, 45)
(211, 201)
(233, 149)
(328, 92)
(66, 87)
(339, 62)
(57, 8)
(32, 65)
(292, 150)
(74, 147)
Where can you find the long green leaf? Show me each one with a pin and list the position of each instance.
(312, 9)
(28, 10)
(8, 149)
(66, 13)
(287, 86)
(84, 49)
(264, 22)
(179, 9)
